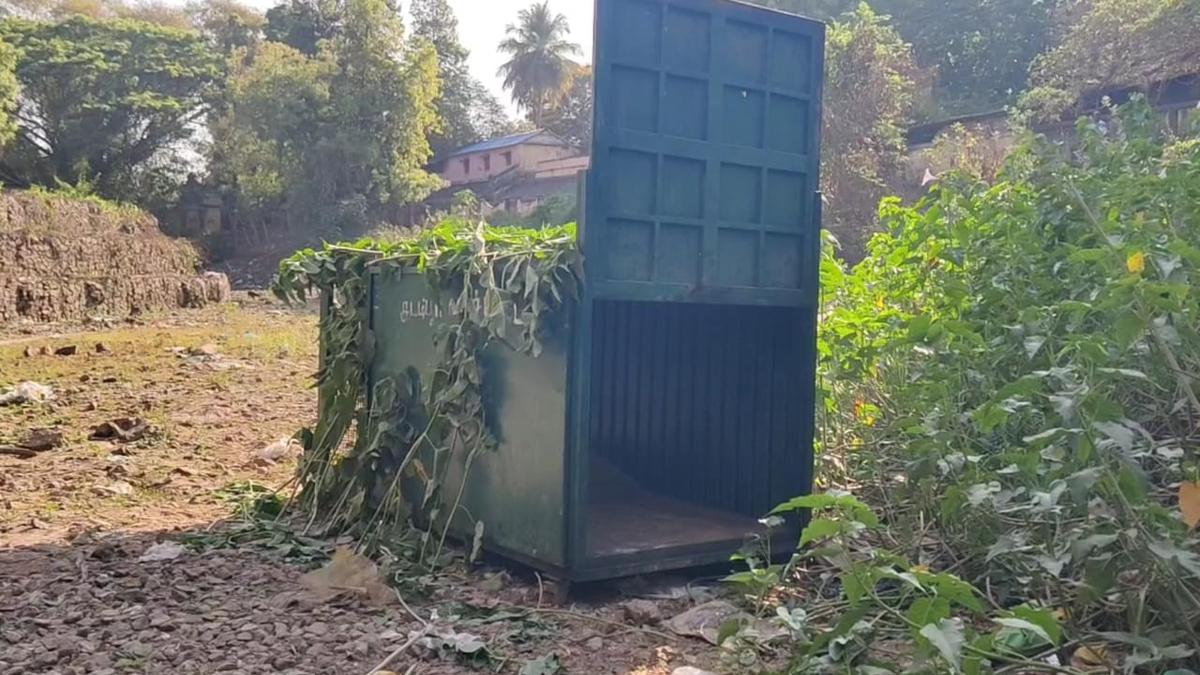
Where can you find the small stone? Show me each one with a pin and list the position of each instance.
(641, 612)
(66, 350)
(206, 349)
(102, 348)
(595, 644)
(689, 670)
(41, 440)
(30, 352)
(161, 621)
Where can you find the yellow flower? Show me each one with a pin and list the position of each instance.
(921, 569)
(1136, 262)
(879, 304)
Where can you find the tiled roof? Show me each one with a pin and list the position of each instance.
(498, 143)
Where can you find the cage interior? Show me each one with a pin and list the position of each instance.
(697, 425)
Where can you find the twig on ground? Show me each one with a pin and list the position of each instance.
(540, 589)
(411, 613)
(398, 651)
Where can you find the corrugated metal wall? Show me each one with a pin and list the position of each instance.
(707, 403)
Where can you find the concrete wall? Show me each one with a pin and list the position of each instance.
(64, 259)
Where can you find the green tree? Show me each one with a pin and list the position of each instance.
(538, 67)
(979, 51)
(9, 89)
(467, 110)
(228, 24)
(871, 83)
(100, 100)
(825, 10)
(338, 138)
(302, 24)
(571, 116)
(277, 102)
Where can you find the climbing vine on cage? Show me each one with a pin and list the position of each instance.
(369, 458)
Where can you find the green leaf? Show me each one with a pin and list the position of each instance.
(928, 610)
(1021, 624)
(728, 629)
(1043, 618)
(956, 590)
(946, 636)
(852, 587)
(818, 529)
(1033, 344)
(1128, 328)
(1168, 551)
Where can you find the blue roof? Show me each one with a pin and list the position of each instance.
(497, 143)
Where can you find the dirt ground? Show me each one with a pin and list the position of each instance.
(107, 555)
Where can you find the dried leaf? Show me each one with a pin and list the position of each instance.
(1088, 656)
(1189, 503)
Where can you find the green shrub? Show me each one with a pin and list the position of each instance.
(1011, 376)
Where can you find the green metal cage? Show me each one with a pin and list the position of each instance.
(673, 405)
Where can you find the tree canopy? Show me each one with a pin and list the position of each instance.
(9, 88)
(468, 112)
(869, 94)
(101, 98)
(978, 53)
(539, 65)
(337, 136)
(571, 116)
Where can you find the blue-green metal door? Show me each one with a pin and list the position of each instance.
(706, 153)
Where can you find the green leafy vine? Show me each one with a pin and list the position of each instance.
(371, 458)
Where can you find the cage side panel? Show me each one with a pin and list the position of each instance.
(517, 491)
(704, 403)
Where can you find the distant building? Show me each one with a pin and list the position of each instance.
(481, 162)
(515, 174)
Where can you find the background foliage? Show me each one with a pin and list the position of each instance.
(871, 80)
(1010, 378)
(284, 136)
(100, 100)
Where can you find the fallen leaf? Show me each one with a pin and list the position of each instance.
(348, 572)
(1089, 656)
(1189, 503)
(119, 488)
(162, 551)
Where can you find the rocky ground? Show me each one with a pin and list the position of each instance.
(120, 551)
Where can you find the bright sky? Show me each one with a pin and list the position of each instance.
(481, 25)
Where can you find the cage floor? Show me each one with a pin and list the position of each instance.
(624, 519)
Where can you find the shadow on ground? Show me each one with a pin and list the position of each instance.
(101, 604)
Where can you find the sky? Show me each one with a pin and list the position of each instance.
(481, 25)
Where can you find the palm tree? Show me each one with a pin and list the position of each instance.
(538, 69)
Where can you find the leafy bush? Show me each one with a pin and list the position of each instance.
(1010, 377)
